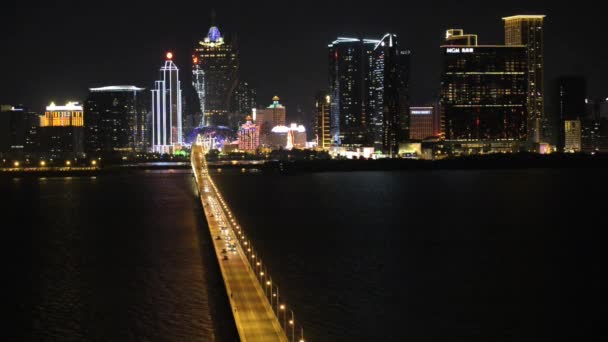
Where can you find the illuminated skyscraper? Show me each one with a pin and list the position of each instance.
(322, 120)
(167, 109)
(528, 30)
(350, 67)
(114, 119)
(391, 116)
(218, 61)
(483, 96)
(368, 81)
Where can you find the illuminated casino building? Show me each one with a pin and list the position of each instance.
(269, 117)
(322, 120)
(484, 96)
(115, 120)
(527, 30)
(167, 135)
(273, 115)
(61, 131)
(249, 136)
(218, 64)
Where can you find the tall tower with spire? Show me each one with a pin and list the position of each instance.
(167, 135)
(216, 63)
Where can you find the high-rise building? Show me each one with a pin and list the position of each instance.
(249, 136)
(594, 135)
(269, 117)
(243, 100)
(571, 95)
(421, 123)
(572, 130)
(61, 131)
(18, 130)
(391, 115)
(484, 95)
(322, 120)
(218, 64)
(274, 114)
(350, 90)
(167, 134)
(114, 120)
(198, 82)
(527, 30)
(368, 88)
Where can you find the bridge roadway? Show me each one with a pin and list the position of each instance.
(253, 315)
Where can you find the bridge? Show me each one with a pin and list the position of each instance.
(259, 312)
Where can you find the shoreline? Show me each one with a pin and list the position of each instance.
(83, 172)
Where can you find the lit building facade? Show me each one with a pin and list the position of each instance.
(390, 117)
(270, 117)
(283, 137)
(322, 120)
(198, 82)
(594, 135)
(350, 90)
(421, 123)
(572, 130)
(217, 63)
(527, 30)
(18, 131)
(167, 134)
(115, 120)
(484, 95)
(249, 136)
(61, 131)
(368, 88)
(274, 115)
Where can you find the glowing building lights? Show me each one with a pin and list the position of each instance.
(167, 135)
(70, 115)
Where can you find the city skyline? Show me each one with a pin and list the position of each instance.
(297, 78)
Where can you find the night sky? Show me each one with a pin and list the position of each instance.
(55, 50)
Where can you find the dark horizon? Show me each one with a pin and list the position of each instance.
(283, 47)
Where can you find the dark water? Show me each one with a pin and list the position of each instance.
(433, 256)
(112, 258)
